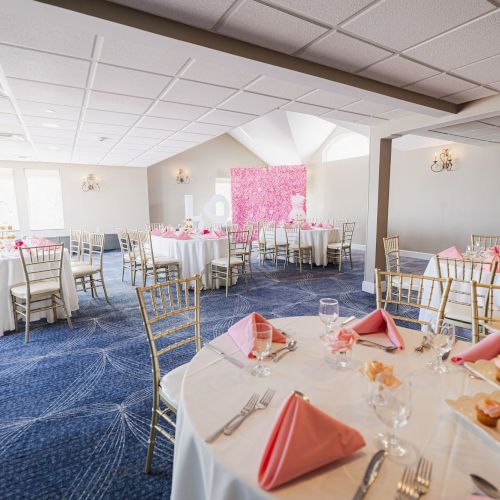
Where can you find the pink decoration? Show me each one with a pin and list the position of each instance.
(488, 348)
(156, 232)
(451, 253)
(380, 321)
(264, 193)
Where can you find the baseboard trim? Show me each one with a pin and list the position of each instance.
(416, 255)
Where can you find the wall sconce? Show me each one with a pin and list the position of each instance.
(442, 162)
(182, 177)
(91, 183)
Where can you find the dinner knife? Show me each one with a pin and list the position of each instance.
(235, 362)
(371, 474)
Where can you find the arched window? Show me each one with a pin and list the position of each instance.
(348, 145)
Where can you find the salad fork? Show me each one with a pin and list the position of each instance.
(423, 475)
(407, 486)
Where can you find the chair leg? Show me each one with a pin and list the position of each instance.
(66, 312)
(229, 277)
(104, 287)
(350, 256)
(27, 324)
(340, 260)
(152, 435)
(14, 312)
(123, 271)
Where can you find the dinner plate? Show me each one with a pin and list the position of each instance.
(484, 369)
(465, 407)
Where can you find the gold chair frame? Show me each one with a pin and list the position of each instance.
(335, 253)
(295, 249)
(483, 315)
(155, 225)
(127, 255)
(484, 241)
(160, 303)
(75, 244)
(150, 266)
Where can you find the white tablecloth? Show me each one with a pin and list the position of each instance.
(11, 272)
(214, 390)
(195, 255)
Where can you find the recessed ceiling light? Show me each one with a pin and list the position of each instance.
(50, 125)
(49, 111)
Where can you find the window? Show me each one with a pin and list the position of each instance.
(45, 205)
(223, 188)
(8, 207)
(349, 145)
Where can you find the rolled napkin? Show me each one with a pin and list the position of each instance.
(305, 226)
(487, 349)
(239, 333)
(451, 253)
(380, 321)
(156, 232)
(169, 234)
(183, 236)
(304, 439)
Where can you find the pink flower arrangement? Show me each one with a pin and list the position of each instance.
(19, 244)
(342, 340)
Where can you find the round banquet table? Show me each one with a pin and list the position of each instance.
(11, 272)
(194, 255)
(214, 390)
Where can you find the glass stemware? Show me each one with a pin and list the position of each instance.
(442, 341)
(339, 342)
(328, 311)
(261, 336)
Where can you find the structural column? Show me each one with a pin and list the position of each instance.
(378, 208)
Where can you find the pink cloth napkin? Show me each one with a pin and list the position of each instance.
(492, 254)
(488, 348)
(210, 236)
(156, 232)
(380, 321)
(325, 225)
(184, 236)
(41, 242)
(451, 253)
(169, 234)
(304, 439)
(305, 226)
(239, 333)
(220, 233)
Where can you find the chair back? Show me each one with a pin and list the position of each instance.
(485, 309)
(171, 314)
(421, 293)
(347, 232)
(124, 241)
(484, 241)
(268, 233)
(75, 243)
(136, 244)
(237, 242)
(292, 232)
(155, 225)
(147, 247)
(392, 256)
(92, 248)
(339, 222)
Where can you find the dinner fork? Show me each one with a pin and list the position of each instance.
(423, 476)
(261, 405)
(250, 405)
(407, 486)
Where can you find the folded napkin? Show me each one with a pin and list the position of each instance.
(325, 225)
(156, 232)
(169, 234)
(487, 349)
(209, 236)
(451, 253)
(377, 322)
(304, 439)
(491, 255)
(239, 333)
(305, 226)
(220, 233)
(41, 242)
(184, 236)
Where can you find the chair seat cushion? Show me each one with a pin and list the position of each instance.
(171, 383)
(458, 312)
(338, 246)
(84, 269)
(222, 262)
(165, 260)
(302, 247)
(38, 288)
(241, 252)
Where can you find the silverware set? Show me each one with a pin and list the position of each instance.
(277, 355)
(415, 483)
(425, 344)
(369, 343)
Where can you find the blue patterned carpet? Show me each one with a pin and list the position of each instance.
(75, 404)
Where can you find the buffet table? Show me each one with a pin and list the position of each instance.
(214, 390)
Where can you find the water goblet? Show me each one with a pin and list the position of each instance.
(328, 311)
(339, 342)
(260, 336)
(442, 341)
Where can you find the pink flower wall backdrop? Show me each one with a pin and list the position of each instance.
(264, 193)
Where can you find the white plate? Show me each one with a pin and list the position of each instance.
(465, 406)
(485, 370)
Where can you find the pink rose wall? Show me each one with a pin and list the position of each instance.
(264, 193)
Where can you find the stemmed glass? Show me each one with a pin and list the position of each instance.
(339, 342)
(442, 341)
(260, 336)
(328, 312)
(392, 405)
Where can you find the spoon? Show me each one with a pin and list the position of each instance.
(290, 345)
(288, 348)
(485, 486)
(369, 343)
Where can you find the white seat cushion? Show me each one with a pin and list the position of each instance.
(222, 262)
(241, 252)
(171, 383)
(38, 288)
(165, 260)
(458, 312)
(337, 246)
(302, 247)
(84, 269)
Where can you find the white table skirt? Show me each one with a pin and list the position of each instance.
(11, 273)
(214, 390)
(195, 255)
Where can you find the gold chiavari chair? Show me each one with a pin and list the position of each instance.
(128, 257)
(463, 272)
(171, 316)
(342, 249)
(246, 252)
(155, 225)
(156, 265)
(297, 250)
(135, 240)
(75, 245)
(273, 243)
(414, 298)
(89, 271)
(42, 268)
(485, 309)
(234, 264)
(484, 242)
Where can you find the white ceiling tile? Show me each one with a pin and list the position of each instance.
(12, 129)
(186, 136)
(328, 99)
(486, 71)
(229, 118)
(120, 103)
(343, 52)
(9, 119)
(6, 106)
(97, 116)
(371, 120)
(470, 95)
(394, 114)
(302, 107)
(48, 111)
(129, 82)
(494, 120)
(149, 132)
(367, 108)
(462, 46)
(331, 12)
(216, 74)
(51, 132)
(63, 141)
(278, 88)
(86, 158)
(37, 121)
(162, 123)
(262, 25)
(165, 109)
(43, 67)
(182, 145)
(93, 136)
(398, 71)
(344, 115)
(248, 102)
(104, 129)
(45, 92)
(139, 141)
(440, 85)
(400, 24)
(188, 92)
(206, 128)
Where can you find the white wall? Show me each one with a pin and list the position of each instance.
(122, 201)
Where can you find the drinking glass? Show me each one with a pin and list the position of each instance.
(442, 341)
(328, 311)
(392, 406)
(339, 342)
(261, 335)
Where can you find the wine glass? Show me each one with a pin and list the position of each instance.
(328, 311)
(392, 405)
(261, 336)
(442, 341)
